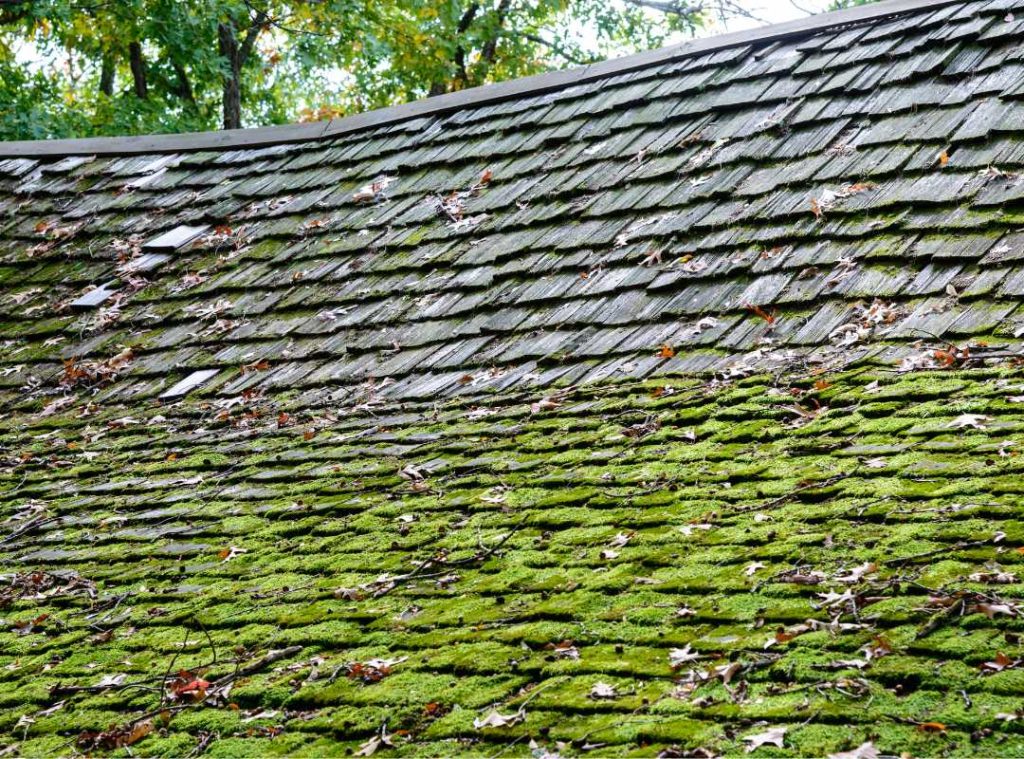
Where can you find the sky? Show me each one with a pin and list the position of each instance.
(769, 11)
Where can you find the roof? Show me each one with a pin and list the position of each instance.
(671, 411)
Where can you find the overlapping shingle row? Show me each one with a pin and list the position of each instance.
(673, 412)
(805, 178)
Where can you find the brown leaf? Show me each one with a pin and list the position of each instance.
(666, 351)
(943, 159)
(759, 311)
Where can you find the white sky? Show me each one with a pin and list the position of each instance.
(772, 12)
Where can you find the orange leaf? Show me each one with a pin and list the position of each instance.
(932, 727)
(758, 311)
(486, 177)
(666, 351)
(860, 187)
(138, 732)
(943, 158)
(308, 435)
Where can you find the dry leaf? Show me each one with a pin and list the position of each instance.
(603, 690)
(677, 657)
(863, 751)
(857, 573)
(1001, 662)
(494, 719)
(772, 737)
(968, 420)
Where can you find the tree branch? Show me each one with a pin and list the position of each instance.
(107, 72)
(138, 67)
(259, 23)
(184, 86)
(559, 50)
(460, 52)
(491, 48)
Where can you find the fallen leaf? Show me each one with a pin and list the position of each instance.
(227, 554)
(857, 573)
(368, 748)
(603, 690)
(494, 719)
(621, 539)
(863, 751)
(943, 159)
(752, 567)
(1001, 662)
(677, 657)
(774, 737)
(769, 317)
(666, 351)
(544, 404)
(975, 421)
(110, 681)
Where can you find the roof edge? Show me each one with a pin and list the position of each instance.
(442, 104)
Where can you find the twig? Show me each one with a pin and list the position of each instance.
(170, 668)
(936, 551)
(34, 524)
(792, 494)
(420, 573)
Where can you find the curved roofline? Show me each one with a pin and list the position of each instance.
(448, 103)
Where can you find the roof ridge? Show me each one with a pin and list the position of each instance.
(257, 137)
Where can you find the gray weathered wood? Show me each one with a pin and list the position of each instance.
(189, 383)
(475, 96)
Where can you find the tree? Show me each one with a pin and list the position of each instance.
(84, 67)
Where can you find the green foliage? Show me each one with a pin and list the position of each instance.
(78, 67)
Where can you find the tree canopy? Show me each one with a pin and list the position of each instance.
(89, 67)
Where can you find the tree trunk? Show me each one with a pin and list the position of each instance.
(107, 72)
(184, 86)
(232, 99)
(138, 67)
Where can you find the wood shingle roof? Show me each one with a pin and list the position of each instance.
(665, 408)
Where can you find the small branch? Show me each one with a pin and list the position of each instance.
(900, 561)
(791, 495)
(421, 571)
